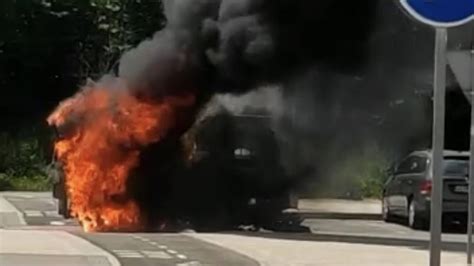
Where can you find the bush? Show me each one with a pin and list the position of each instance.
(23, 160)
(360, 174)
(36, 183)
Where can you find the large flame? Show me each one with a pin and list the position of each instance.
(104, 128)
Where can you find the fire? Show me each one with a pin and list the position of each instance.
(103, 129)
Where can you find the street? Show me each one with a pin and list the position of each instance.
(47, 229)
(51, 240)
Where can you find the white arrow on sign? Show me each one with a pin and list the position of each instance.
(460, 62)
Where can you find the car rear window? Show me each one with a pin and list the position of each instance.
(456, 167)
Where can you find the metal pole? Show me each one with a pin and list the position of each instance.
(471, 172)
(439, 109)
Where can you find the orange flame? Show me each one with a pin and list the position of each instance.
(105, 130)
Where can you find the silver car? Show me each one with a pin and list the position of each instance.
(407, 193)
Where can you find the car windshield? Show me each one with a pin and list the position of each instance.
(456, 167)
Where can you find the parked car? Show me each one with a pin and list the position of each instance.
(407, 193)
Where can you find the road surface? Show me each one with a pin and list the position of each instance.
(44, 238)
(44, 225)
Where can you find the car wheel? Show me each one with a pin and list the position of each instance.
(386, 215)
(63, 208)
(415, 220)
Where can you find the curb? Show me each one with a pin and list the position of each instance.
(9, 214)
(340, 216)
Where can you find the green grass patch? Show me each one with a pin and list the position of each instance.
(33, 183)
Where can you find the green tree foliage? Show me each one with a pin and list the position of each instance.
(48, 48)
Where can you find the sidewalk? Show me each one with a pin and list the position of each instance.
(50, 248)
(9, 215)
(340, 209)
(282, 252)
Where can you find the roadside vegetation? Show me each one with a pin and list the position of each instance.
(358, 175)
(24, 159)
(47, 48)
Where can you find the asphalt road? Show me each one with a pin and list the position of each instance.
(131, 249)
(136, 249)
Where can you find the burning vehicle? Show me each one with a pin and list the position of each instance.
(134, 157)
(240, 154)
(224, 172)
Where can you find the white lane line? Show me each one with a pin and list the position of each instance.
(156, 254)
(191, 263)
(128, 254)
(58, 223)
(32, 213)
(163, 247)
(181, 256)
(153, 243)
(170, 251)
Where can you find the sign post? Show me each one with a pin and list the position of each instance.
(471, 169)
(442, 14)
(439, 107)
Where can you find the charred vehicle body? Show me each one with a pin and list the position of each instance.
(224, 172)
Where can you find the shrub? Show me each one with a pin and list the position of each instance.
(23, 160)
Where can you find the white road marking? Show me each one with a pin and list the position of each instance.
(32, 213)
(181, 256)
(163, 247)
(191, 263)
(156, 254)
(57, 223)
(170, 251)
(153, 243)
(128, 254)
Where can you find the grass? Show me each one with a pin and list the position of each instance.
(34, 183)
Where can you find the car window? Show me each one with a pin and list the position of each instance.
(456, 168)
(413, 164)
(418, 164)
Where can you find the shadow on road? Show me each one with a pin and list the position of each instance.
(418, 244)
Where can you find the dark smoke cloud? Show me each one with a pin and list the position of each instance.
(234, 46)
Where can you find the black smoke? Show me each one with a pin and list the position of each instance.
(213, 47)
(218, 46)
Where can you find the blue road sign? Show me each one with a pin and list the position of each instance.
(440, 13)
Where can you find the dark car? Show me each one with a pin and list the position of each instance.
(407, 193)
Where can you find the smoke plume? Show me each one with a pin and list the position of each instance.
(235, 46)
(208, 48)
